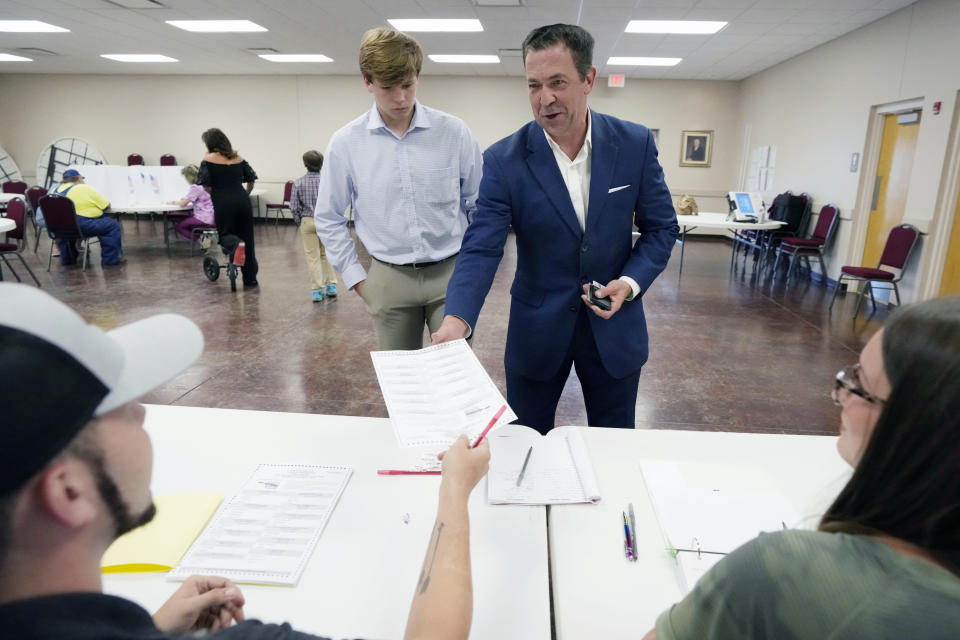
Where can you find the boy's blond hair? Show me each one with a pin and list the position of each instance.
(389, 56)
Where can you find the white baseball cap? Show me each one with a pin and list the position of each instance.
(60, 372)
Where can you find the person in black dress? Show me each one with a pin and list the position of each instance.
(229, 180)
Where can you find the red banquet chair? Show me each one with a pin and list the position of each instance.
(287, 190)
(796, 248)
(896, 253)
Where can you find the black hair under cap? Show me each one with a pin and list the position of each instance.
(46, 398)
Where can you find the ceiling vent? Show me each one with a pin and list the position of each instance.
(137, 4)
(35, 52)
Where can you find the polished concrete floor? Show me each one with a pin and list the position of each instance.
(730, 351)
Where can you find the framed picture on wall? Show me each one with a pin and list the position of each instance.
(696, 148)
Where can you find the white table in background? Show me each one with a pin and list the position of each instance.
(6, 224)
(7, 197)
(164, 209)
(597, 593)
(709, 220)
(361, 577)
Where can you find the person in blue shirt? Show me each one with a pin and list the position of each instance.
(410, 174)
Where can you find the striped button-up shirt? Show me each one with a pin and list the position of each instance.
(411, 195)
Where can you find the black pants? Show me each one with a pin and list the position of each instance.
(610, 402)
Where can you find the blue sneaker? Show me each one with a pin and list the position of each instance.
(331, 291)
(317, 295)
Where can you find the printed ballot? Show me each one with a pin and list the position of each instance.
(267, 531)
(435, 394)
(558, 469)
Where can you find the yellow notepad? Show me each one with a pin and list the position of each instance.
(159, 545)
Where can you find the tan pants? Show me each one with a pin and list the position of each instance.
(402, 300)
(321, 273)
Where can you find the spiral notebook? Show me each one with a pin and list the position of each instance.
(559, 470)
(266, 532)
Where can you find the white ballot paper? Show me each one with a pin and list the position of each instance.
(267, 531)
(435, 394)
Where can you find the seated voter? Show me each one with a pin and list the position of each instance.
(885, 562)
(89, 204)
(75, 465)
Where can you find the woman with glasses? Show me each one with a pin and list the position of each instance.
(885, 560)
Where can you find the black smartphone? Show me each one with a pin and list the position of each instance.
(603, 303)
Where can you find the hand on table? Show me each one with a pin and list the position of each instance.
(463, 466)
(617, 290)
(452, 328)
(201, 603)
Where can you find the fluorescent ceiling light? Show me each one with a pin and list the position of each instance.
(9, 57)
(465, 59)
(138, 57)
(216, 26)
(469, 24)
(295, 57)
(644, 62)
(674, 26)
(29, 26)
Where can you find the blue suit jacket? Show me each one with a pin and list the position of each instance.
(522, 187)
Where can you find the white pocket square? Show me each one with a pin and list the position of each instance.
(615, 189)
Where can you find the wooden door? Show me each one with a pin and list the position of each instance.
(893, 179)
(950, 284)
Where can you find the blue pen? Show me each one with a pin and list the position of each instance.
(627, 549)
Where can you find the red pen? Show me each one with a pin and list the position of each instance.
(490, 424)
(406, 472)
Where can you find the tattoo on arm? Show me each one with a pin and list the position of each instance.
(428, 563)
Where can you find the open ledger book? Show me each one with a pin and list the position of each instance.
(705, 510)
(559, 470)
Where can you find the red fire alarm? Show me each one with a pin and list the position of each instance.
(936, 108)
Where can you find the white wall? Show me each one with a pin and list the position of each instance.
(815, 109)
(272, 120)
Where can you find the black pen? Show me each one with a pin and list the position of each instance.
(524, 468)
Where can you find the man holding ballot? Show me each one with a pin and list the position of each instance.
(572, 185)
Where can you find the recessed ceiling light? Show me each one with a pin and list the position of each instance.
(29, 26)
(9, 57)
(467, 59)
(216, 26)
(138, 57)
(674, 26)
(644, 62)
(468, 24)
(295, 57)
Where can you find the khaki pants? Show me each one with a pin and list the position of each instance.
(321, 273)
(404, 299)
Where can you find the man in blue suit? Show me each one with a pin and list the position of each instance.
(572, 185)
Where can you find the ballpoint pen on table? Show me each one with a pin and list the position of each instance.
(627, 549)
(633, 533)
(524, 468)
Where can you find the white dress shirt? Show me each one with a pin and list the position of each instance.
(576, 177)
(411, 195)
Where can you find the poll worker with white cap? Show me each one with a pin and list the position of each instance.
(75, 466)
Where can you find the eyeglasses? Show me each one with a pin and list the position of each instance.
(849, 378)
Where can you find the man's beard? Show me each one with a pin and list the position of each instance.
(123, 519)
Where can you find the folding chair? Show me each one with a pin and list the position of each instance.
(61, 219)
(33, 197)
(134, 158)
(167, 160)
(16, 211)
(896, 253)
(287, 190)
(814, 245)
